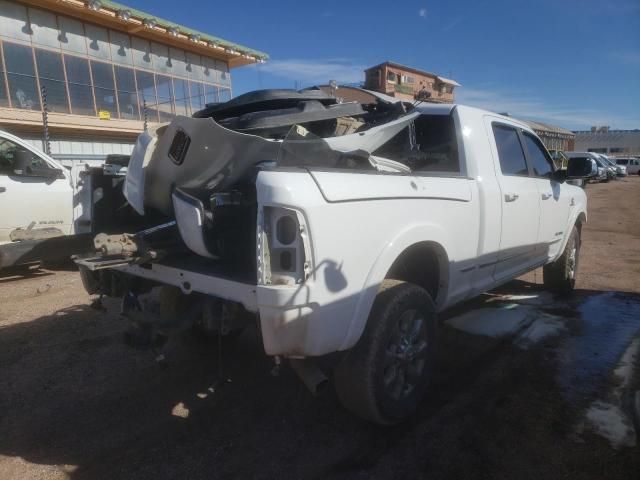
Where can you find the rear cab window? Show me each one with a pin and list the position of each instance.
(428, 145)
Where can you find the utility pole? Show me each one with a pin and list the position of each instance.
(45, 120)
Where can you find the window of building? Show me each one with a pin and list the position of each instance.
(120, 45)
(428, 145)
(194, 66)
(542, 163)
(103, 87)
(14, 23)
(147, 95)
(223, 73)
(164, 88)
(408, 79)
(23, 87)
(51, 75)
(160, 56)
(391, 77)
(79, 82)
(127, 97)
(616, 150)
(178, 62)
(4, 99)
(182, 100)
(72, 38)
(597, 150)
(97, 41)
(224, 95)
(510, 153)
(141, 53)
(44, 28)
(210, 74)
(197, 96)
(211, 94)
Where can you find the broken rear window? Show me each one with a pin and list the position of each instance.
(428, 144)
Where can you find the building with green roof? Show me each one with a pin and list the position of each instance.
(102, 69)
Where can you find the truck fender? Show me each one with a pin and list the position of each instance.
(413, 234)
(573, 220)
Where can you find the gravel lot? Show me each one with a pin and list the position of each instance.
(552, 396)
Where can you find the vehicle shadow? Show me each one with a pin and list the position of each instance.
(22, 272)
(73, 394)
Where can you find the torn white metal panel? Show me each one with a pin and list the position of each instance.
(134, 184)
(197, 153)
(190, 220)
(372, 139)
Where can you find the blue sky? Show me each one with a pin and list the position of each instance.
(574, 63)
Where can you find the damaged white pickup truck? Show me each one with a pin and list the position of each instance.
(341, 227)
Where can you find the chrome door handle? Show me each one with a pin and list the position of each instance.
(511, 197)
(546, 196)
(3, 189)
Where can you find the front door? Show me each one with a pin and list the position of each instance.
(520, 205)
(31, 206)
(553, 196)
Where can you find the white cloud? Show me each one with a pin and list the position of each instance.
(452, 24)
(314, 72)
(422, 12)
(627, 58)
(525, 106)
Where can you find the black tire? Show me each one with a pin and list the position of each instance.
(371, 381)
(560, 276)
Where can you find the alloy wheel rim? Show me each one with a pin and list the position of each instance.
(573, 260)
(406, 355)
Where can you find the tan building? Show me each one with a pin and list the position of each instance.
(405, 82)
(553, 137)
(100, 64)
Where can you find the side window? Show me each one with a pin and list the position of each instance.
(542, 164)
(15, 159)
(510, 153)
(428, 145)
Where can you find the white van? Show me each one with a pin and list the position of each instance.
(632, 164)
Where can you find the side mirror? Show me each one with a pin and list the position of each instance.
(47, 172)
(581, 168)
(559, 176)
(22, 165)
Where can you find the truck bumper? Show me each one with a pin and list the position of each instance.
(293, 325)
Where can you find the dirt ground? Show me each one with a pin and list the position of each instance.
(75, 402)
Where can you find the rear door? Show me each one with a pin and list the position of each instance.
(41, 204)
(554, 198)
(520, 205)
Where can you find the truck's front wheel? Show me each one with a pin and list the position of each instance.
(385, 375)
(560, 276)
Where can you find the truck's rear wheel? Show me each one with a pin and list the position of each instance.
(384, 376)
(560, 276)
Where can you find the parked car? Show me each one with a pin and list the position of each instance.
(603, 172)
(632, 165)
(619, 169)
(344, 227)
(48, 211)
